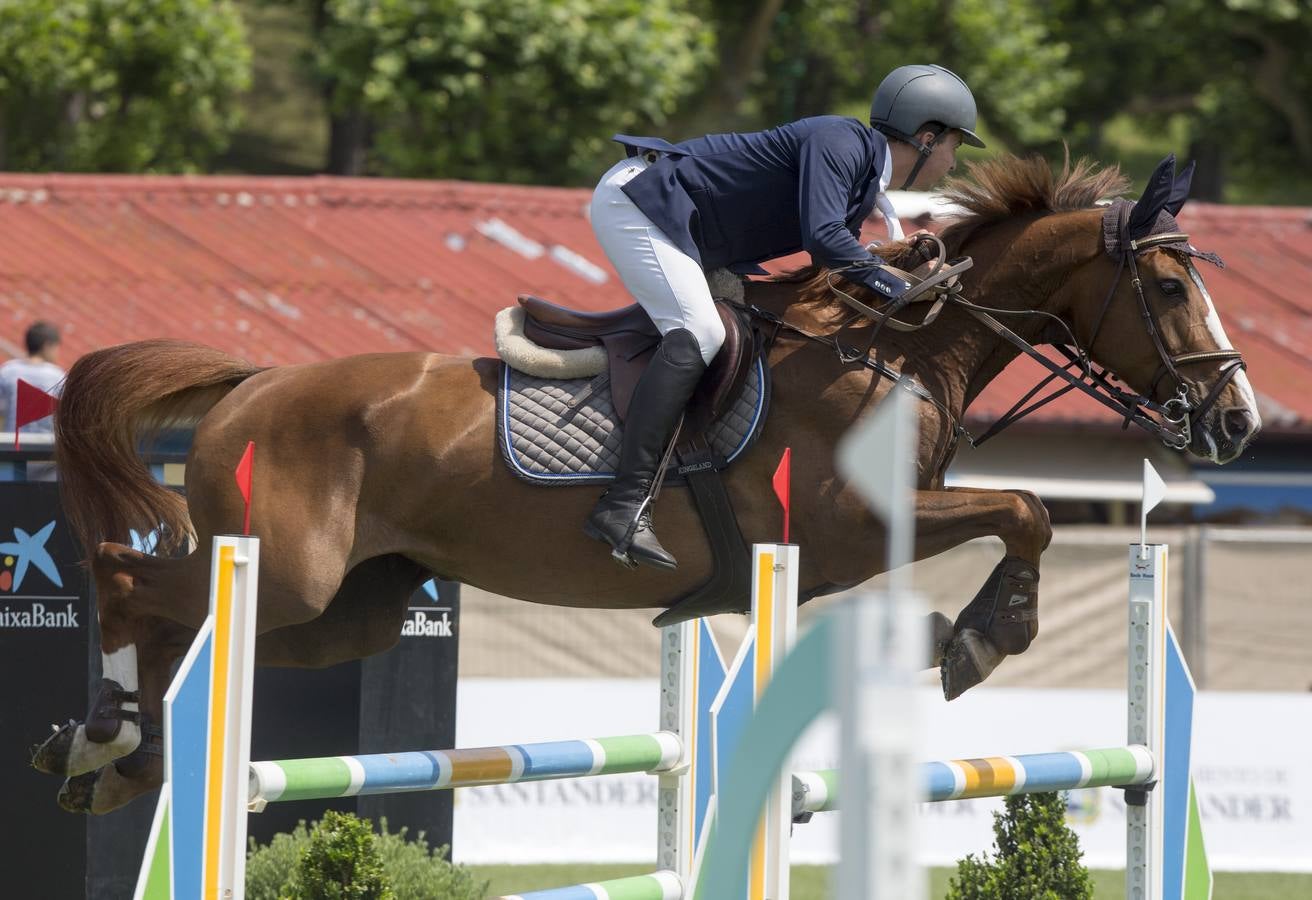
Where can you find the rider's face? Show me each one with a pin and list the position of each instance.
(940, 162)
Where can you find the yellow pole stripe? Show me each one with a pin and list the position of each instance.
(764, 621)
(218, 720)
(987, 776)
(690, 743)
(764, 659)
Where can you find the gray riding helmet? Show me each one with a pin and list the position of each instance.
(910, 96)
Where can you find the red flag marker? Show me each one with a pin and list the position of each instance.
(32, 405)
(244, 478)
(783, 484)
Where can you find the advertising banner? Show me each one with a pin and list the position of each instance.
(45, 621)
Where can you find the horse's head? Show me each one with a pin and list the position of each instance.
(1143, 312)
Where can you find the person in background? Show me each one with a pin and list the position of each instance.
(40, 369)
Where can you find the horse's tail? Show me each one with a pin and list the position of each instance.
(115, 400)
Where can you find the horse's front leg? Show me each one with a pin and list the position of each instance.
(1003, 618)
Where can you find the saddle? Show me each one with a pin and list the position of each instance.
(629, 338)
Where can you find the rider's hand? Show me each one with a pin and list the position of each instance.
(883, 282)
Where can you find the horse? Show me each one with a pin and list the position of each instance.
(375, 472)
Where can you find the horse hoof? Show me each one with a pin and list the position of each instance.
(69, 753)
(940, 635)
(51, 756)
(78, 793)
(105, 790)
(969, 659)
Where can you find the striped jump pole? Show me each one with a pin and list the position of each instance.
(328, 777)
(996, 776)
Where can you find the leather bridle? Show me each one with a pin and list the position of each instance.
(1171, 421)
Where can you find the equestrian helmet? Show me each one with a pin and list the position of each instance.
(910, 96)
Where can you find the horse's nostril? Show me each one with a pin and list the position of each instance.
(1237, 424)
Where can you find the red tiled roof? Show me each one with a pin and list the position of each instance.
(282, 270)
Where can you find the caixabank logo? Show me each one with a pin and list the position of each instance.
(432, 621)
(30, 583)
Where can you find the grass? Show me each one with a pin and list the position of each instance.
(809, 882)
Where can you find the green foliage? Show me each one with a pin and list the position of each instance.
(828, 56)
(418, 873)
(339, 863)
(268, 868)
(507, 90)
(1038, 857)
(1224, 81)
(118, 85)
(397, 868)
(1234, 78)
(531, 90)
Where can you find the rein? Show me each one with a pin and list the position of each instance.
(1172, 422)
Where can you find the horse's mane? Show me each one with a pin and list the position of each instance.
(992, 190)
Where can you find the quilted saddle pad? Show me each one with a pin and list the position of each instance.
(554, 431)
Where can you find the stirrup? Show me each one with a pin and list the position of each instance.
(620, 552)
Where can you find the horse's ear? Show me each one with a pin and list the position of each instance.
(1180, 189)
(1156, 194)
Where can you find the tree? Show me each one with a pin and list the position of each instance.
(118, 85)
(1227, 81)
(1232, 76)
(501, 90)
(818, 56)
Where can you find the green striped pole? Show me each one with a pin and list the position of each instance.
(326, 777)
(997, 776)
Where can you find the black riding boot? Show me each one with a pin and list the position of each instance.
(622, 517)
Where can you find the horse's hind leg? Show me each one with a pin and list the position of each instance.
(140, 600)
(160, 643)
(1003, 618)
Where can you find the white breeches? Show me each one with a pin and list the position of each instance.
(668, 283)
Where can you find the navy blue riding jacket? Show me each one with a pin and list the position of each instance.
(735, 200)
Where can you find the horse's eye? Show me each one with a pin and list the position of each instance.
(1170, 287)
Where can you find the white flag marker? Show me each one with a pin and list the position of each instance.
(1154, 491)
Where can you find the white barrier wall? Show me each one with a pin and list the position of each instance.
(1250, 769)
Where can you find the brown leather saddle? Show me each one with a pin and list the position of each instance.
(630, 338)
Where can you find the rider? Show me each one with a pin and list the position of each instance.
(671, 212)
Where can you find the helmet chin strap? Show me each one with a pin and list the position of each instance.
(924, 151)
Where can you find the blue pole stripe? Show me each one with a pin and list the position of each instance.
(556, 758)
(940, 780)
(400, 771)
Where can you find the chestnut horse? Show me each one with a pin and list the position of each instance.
(375, 472)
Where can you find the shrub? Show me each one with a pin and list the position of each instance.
(1038, 857)
(411, 870)
(340, 863)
